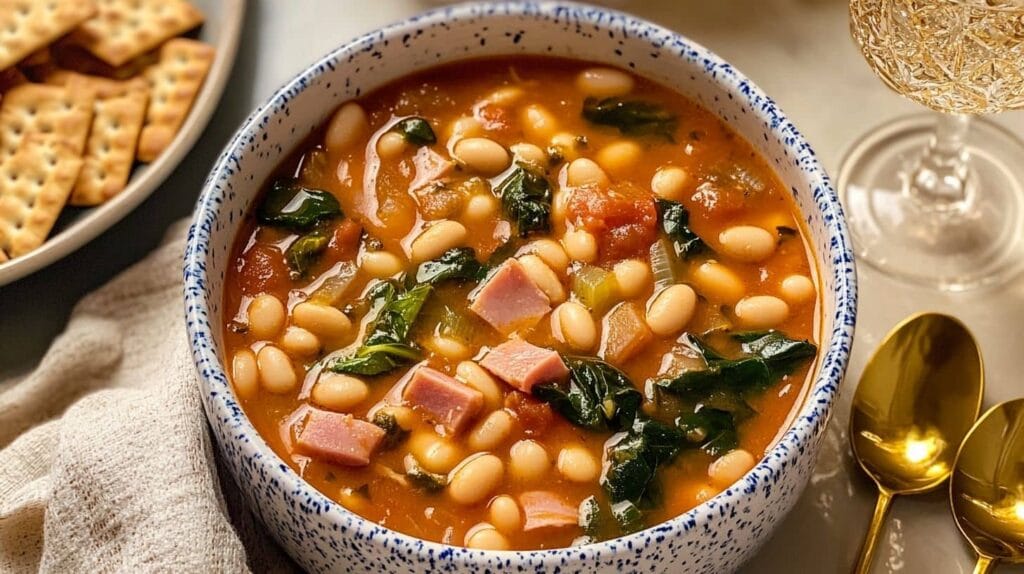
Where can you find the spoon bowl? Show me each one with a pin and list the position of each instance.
(986, 490)
(919, 395)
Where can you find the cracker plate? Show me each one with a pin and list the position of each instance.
(221, 30)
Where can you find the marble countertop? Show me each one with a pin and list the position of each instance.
(799, 52)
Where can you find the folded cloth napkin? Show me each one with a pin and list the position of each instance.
(107, 464)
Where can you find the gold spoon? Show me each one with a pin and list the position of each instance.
(919, 395)
(986, 490)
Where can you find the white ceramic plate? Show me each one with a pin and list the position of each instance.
(77, 226)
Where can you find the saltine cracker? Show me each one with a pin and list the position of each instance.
(174, 83)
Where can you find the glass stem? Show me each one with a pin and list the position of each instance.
(939, 180)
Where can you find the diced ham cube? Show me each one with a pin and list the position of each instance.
(523, 365)
(545, 509)
(625, 333)
(443, 399)
(339, 438)
(510, 300)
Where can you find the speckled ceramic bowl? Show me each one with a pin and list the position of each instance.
(717, 536)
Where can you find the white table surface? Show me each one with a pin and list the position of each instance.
(799, 52)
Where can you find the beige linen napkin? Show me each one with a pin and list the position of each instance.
(106, 462)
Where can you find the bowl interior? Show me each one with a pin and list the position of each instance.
(480, 30)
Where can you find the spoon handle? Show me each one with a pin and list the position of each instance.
(984, 564)
(867, 551)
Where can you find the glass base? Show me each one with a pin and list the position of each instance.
(951, 246)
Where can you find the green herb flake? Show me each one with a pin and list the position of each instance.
(416, 131)
(632, 117)
(675, 223)
(394, 434)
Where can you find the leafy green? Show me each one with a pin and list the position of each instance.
(304, 251)
(416, 131)
(768, 356)
(422, 478)
(289, 204)
(394, 434)
(711, 429)
(590, 516)
(598, 395)
(458, 263)
(385, 346)
(631, 117)
(675, 222)
(526, 199)
(628, 515)
(634, 458)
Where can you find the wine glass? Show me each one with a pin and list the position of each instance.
(938, 199)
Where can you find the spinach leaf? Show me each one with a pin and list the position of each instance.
(394, 434)
(526, 199)
(711, 429)
(631, 117)
(416, 131)
(458, 263)
(675, 222)
(634, 458)
(598, 395)
(628, 515)
(782, 354)
(385, 346)
(289, 204)
(305, 250)
(422, 478)
(590, 517)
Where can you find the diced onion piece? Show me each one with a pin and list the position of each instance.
(662, 264)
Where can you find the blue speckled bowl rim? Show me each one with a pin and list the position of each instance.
(806, 426)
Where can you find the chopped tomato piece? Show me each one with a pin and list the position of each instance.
(715, 201)
(262, 269)
(623, 217)
(344, 244)
(534, 416)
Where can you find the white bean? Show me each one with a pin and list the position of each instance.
(277, 374)
(436, 239)
(475, 376)
(475, 479)
(299, 342)
(580, 245)
(572, 324)
(633, 277)
(604, 82)
(391, 145)
(538, 123)
(730, 467)
(797, 289)
(480, 209)
(464, 127)
(322, 320)
(490, 432)
(542, 276)
(585, 171)
(434, 453)
(380, 264)
(747, 243)
(506, 96)
(449, 348)
(671, 310)
(347, 126)
(528, 460)
(550, 252)
(505, 514)
(761, 311)
(577, 464)
(718, 283)
(670, 183)
(339, 392)
(245, 374)
(266, 317)
(619, 158)
(482, 155)
(530, 153)
(487, 539)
